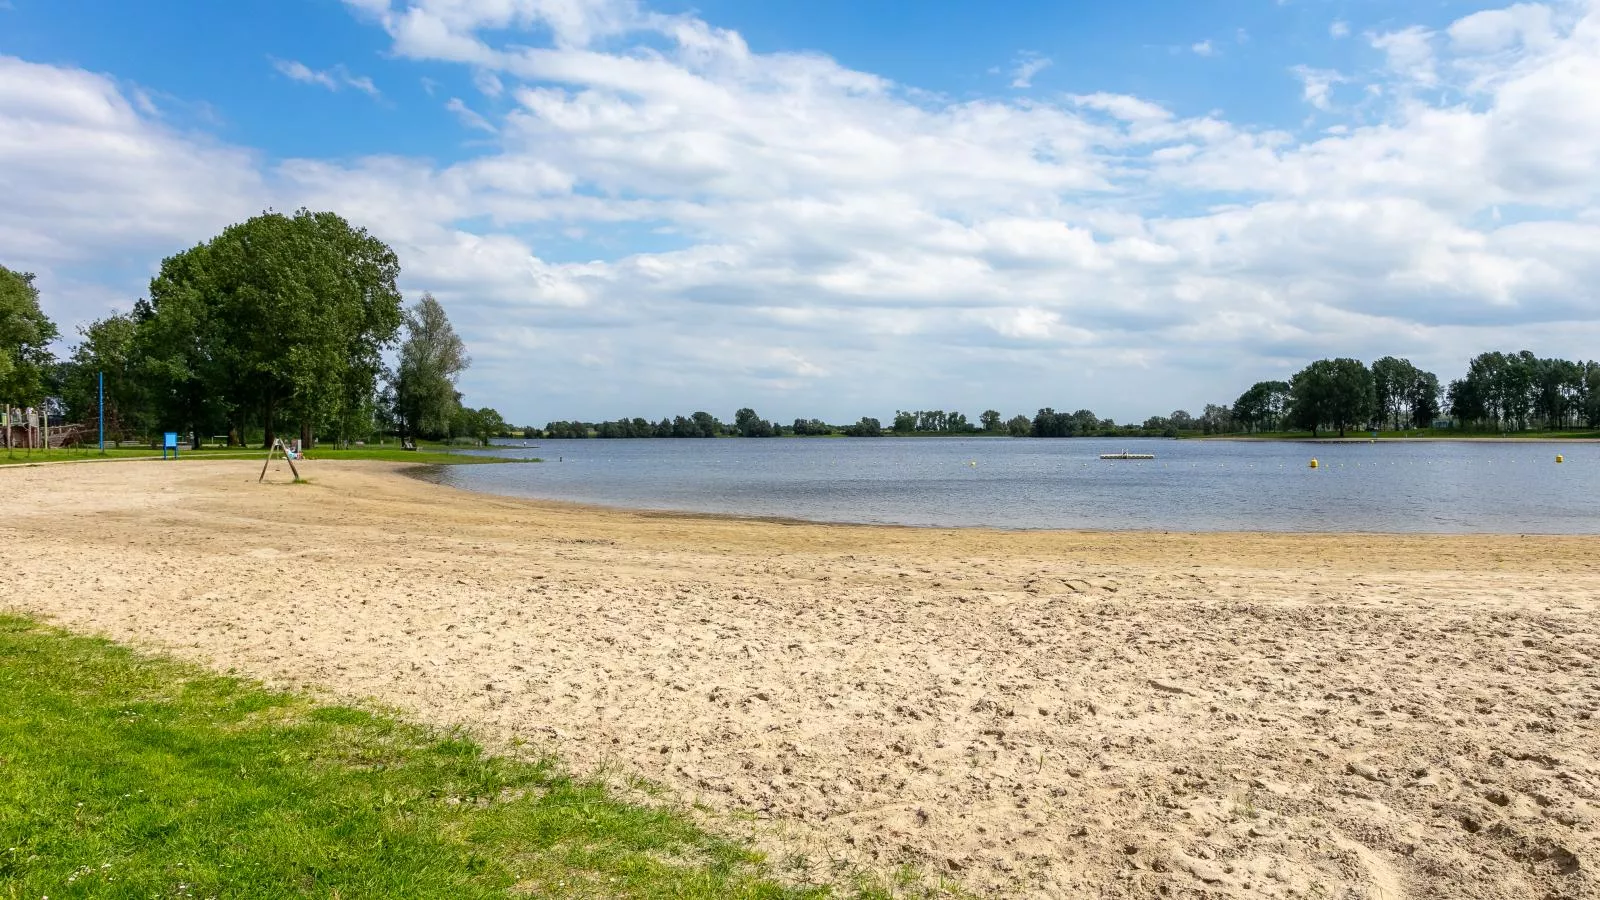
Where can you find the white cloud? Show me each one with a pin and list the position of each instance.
(661, 205)
(1410, 54)
(1203, 48)
(1026, 66)
(1339, 29)
(468, 116)
(1494, 30)
(299, 71)
(1129, 109)
(442, 28)
(1318, 85)
(488, 83)
(333, 79)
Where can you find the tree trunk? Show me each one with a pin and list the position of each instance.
(266, 421)
(305, 436)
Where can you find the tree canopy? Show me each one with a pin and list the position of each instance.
(277, 318)
(1262, 407)
(1512, 391)
(432, 357)
(1331, 393)
(25, 336)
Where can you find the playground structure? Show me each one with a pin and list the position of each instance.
(28, 428)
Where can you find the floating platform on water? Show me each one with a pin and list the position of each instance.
(1127, 456)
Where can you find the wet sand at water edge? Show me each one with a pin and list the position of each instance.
(1021, 713)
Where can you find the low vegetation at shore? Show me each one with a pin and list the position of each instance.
(436, 457)
(128, 776)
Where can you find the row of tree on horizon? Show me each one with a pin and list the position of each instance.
(1499, 392)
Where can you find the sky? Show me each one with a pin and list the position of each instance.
(839, 208)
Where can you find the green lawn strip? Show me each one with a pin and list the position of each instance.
(383, 454)
(128, 776)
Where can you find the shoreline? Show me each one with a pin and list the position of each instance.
(1043, 713)
(1487, 439)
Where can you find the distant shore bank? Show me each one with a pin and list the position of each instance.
(1460, 439)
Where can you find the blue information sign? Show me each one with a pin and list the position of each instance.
(169, 441)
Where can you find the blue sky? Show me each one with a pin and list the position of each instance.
(839, 208)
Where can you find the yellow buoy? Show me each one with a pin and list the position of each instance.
(1560, 458)
(1314, 463)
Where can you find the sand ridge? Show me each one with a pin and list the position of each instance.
(1024, 713)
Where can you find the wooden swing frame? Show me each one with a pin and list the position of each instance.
(277, 446)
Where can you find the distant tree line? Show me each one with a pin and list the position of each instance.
(1340, 394)
(1518, 391)
(1500, 392)
(747, 423)
(278, 324)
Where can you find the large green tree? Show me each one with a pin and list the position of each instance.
(25, 336)
(279, 318)
(1262, 407)
(1331, 393)
(432, 357)
(749, 424)
(1422, 399)
(1392, 379)
(177, 349)
(108, 347)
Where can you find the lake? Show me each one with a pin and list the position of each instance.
(1030, 483)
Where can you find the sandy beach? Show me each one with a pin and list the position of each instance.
(1021, 713)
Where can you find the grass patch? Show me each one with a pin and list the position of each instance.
(384, 454)
(126, 776)
(22, 456)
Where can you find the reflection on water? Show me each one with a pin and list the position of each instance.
(1026, 483)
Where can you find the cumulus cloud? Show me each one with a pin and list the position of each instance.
(1339, 29)
(333, 79)
(665, 219)
(1494, 30)
(1203, 48)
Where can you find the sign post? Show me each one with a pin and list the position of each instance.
(169, 441)
(102, 414)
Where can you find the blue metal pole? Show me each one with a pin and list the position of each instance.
(102, 413)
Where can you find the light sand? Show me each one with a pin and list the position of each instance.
(1040, 714)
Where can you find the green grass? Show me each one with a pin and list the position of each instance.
(125, 776)
(23, 456)
(386, 454)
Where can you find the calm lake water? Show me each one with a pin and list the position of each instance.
(1026, 483)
